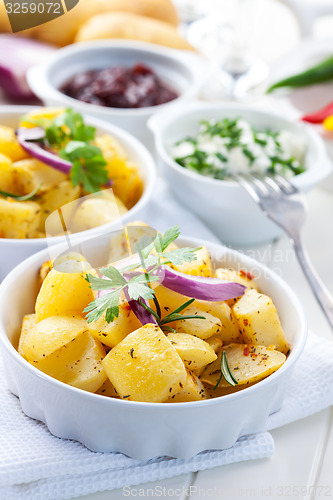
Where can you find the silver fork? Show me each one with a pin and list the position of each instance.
(286, 206)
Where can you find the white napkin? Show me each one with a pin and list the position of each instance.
(34, 465)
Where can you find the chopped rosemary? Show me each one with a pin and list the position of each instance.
(225, 372)
(21, 198)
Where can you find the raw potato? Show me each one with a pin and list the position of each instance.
(129, 26)
(51, 334)
(78, 363)
(202, 266)
(202, 328)
(18, 219)
(60, 196)
(247, 363)
(195, 352)
(64, 293)
(259, 322)
(62, 31)
(113, 333)
(229, 331)
(192, 390)
(145, 366)
(32, 174)
(9, 145)
(94, 212)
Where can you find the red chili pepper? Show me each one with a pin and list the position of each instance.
(246, 274)
(320, 115)
(246, 351)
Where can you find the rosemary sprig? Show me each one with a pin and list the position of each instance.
(21, 198)
(225, 372)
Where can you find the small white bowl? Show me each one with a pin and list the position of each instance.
(182, 70)
(14, 251)
(224, 205)
(146, 430)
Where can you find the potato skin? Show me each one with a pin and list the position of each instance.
(128, 26)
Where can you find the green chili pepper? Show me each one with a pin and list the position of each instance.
(320, 73)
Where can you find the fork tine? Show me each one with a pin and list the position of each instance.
(283, 184)
(249, 186)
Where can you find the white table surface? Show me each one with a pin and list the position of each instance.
(302, 466)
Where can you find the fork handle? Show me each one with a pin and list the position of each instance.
(323, 296)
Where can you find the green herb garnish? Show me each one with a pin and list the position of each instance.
(152, 254)
(72, 139)
(25, 197)
(225, 372)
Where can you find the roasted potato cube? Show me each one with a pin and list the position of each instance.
(94, 212)
(65, 293)
(40, 114)
(215, 343)
(49, 335)
(202, 266)
(18, 219)
(202, 328)
(247, 363)
(29, 321)
(168, 300)
(107, 390)
(60, 196)
(194, 352)
(32, 174)
(243, 277)
(229, 331)
(259, 322)
(127, 184)
(145, 366)
(111, 334)
(192, 390)
(9, 145)
(6, 174)
(78, 363)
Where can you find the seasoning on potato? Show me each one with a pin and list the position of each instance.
(121, 334)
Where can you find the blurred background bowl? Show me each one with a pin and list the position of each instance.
(13, 251)
(181, 70)
(222, 204)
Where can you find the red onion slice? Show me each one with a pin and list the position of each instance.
(211, 289)
(27, 138)
(17, 54)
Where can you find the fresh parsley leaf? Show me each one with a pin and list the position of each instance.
(97, 307)
(114, 275)
(180, 255)
(138, 287)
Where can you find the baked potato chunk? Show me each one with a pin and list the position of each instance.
(6, 174)
(64, 293)
(111, 334)
(259, 322)
(192, 390)
(202, 328)
(94, 212)
(31, 174)
(78, 363)
(18, 219)
(247, 363)
(9, 145)
(221, 310)
(49, 335)
(202, 266)
(145, 366)
(195, 352)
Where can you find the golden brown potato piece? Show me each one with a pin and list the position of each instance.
(132, 27)
(62, 31)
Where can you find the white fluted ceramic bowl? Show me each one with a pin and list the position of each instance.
(224, 205)
(14, 251)
(145, 430)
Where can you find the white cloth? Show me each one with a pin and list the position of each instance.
(34, 465)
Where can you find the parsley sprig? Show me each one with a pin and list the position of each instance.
(72, 139)
(152, 254)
